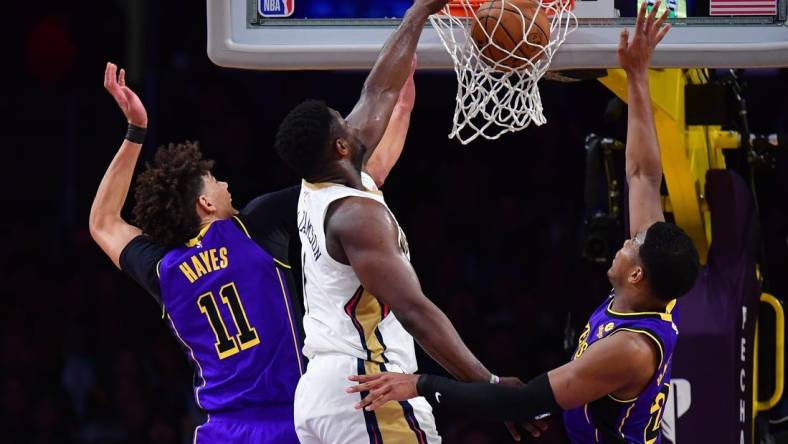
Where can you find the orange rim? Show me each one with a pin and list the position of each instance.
(460, 8)
(464, 8)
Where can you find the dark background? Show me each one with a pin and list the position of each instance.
(495, 228)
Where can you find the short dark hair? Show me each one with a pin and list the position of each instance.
(670, 260)
(303, 137)
(167, 192)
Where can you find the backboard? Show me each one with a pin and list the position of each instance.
(348, 34)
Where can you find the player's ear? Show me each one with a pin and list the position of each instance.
(342, 147)
(636, 275)
(205, 206)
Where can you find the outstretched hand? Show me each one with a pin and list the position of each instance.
(383, 387)
(635, 54)
(127, 100)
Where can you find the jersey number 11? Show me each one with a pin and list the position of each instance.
(227, 345)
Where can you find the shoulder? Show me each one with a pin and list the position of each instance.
(355, 213)
(637, 351)
(140, 260)
(141, 251)
(282, 200)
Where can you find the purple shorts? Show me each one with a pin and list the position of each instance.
(261, 425)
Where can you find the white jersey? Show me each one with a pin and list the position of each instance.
(340, 315)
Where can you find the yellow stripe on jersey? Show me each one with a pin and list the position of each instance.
(666, 316)
(368, 313)
(647, 333)
(621, 427)
(282, 264)
(292, 325)
(390, 417)
(196, 239)
(622, 401)
(243, 227)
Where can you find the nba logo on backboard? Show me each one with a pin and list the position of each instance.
(276, 8)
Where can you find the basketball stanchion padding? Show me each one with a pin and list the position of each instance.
(500, 50)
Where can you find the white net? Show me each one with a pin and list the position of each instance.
(497, 90)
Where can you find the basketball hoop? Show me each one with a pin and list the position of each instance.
(497, 90)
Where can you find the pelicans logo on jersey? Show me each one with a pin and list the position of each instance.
(277, 8)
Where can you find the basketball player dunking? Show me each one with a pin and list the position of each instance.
(220, 276)
(616, 385)
(362, 297)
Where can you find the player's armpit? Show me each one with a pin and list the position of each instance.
(112, 235)
(621, 364)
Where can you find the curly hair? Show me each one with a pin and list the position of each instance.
(670, 260)
(303, 137)
(167, 192)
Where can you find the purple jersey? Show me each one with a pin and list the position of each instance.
(227, 302)
(634, 421)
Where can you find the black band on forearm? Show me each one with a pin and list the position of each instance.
(136, 134)
(492, 401)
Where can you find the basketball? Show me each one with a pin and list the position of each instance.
(500, 33)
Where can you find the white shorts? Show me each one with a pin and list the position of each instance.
(325, 413)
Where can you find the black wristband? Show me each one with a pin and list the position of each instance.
(136, 134)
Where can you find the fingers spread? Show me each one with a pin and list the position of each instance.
(662, 33)
(661, 19)
(623, 40)
(106, 75)
(513, 431)
(379, 401)
(651, 15)
(641, 18)
(122, 77)
(356, 388)
(530, 428)
(365, 378)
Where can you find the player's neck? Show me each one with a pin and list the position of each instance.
(207, 220)
(631, 301)
(348, 177)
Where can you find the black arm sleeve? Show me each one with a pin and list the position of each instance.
(271, 221)
(491, 401)
(139, 260)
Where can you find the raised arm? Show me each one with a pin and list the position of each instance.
(381, 89)
(107, 227)
(643, 164)
(388, 150)
(364, 234)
